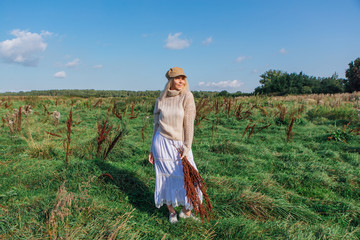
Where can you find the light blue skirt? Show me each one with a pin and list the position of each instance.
(169, 186)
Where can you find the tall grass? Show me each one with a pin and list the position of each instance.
(260, 186)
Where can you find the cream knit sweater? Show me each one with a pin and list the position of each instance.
(174, 118)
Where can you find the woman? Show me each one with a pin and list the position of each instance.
(174, 116)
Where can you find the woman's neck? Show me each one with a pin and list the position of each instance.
(172, 92)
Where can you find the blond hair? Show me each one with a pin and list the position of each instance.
(168, 86)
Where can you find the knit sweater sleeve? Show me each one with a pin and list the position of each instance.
(156, 122)
(189, 118)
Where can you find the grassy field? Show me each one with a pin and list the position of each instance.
(275, 168)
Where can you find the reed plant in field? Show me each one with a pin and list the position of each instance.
(237, 112)
(112, 143)
(104, 136)
(203, 109)
(68, 137)
(289, 132)
(132, 114)
(13, 120)
(243, 115)
(250, 127)
(194, 184)
(281, 113)
(3, 122)
(216, 106)
(46, 110)
(103, 131)
(98, 103)
(228, 104)
(119, 113)
(7, 105)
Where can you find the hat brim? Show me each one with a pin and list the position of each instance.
(179, 75)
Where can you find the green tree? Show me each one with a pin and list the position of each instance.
(223, 93)
(332, 84)
(270, 82)
(353, 75)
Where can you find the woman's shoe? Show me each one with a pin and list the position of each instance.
(191, 216)
(173, 218)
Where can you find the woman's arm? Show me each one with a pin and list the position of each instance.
(189, 118)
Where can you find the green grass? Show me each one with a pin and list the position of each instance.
(261, 187)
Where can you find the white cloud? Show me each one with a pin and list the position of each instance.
(25, 48)
(174, 42)
(73, 63)
(283, 51)
(207, 41)
(240, 59)
(230, 85)
(60, 74)
(98, 66)
(254, 71)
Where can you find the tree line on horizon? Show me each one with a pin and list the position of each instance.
(276, 82)
(273, 82)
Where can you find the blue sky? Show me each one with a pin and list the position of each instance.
(130, 44)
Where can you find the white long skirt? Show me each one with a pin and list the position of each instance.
(169, 186)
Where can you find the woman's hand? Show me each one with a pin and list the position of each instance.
(151, 158)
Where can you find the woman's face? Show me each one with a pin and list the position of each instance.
(178, 83)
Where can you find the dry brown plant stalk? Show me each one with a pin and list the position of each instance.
(3, 122)
(238, 111)
(264, 127)
(52, 134)
(27, 108)
(142, 134)
(68, 135)
(228, 106)
(247, 127)
(11, 124)
(113, 142)
(116, 112)
(282, 112)
(202, 103)
(99, 102)
(202, 111)
(19, 120)
(132, 114)
(103, 132)
(289, 130)
(216, 106)
(193, 183)
(108, 175)
(45, 110)
(251, 130)
(6, 105)
(243, 115)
